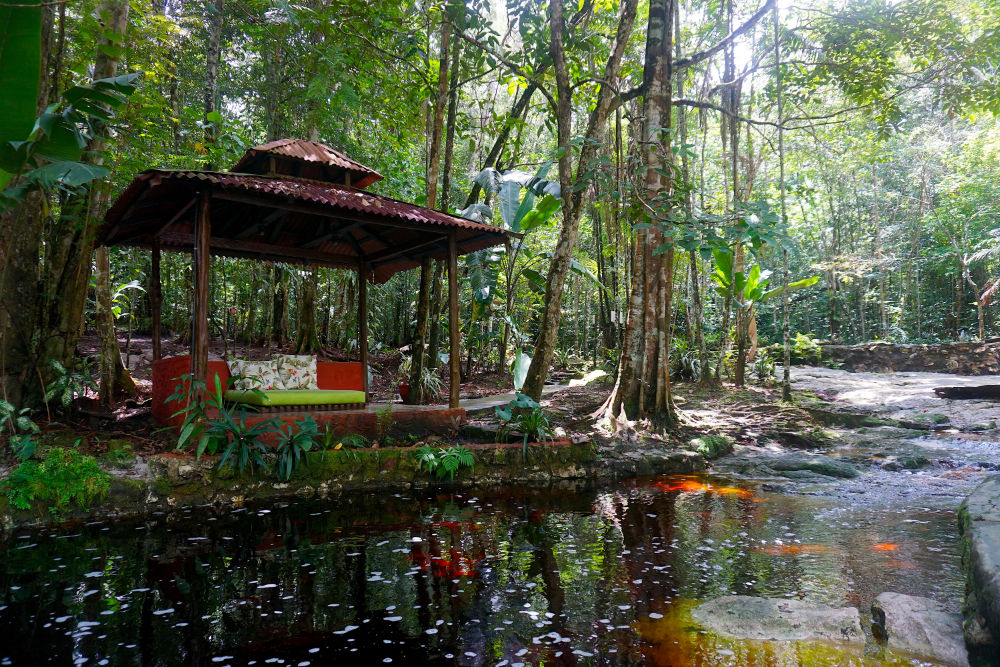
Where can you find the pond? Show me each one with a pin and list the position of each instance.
(560, 576)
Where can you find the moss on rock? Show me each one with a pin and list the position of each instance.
(712, 446)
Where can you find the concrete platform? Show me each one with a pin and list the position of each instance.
(417, 419)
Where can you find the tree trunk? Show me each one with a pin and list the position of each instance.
(115, 378)
(643, 384)
(69, 251)
(279, 307)
(418, 354)
(306, 341)
(212, 58)
(437, 303)
(573, 198)
(786, 346)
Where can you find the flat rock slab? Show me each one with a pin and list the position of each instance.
(795, 465)
(919, 626)
(778, 619)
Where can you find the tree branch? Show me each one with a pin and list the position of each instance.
(711, 51)
(511, 65)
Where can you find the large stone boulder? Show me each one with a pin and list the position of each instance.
(777, 619)
(919, 626)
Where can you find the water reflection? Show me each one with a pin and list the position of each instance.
(566, 576)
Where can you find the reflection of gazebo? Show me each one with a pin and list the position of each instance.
(291, 201)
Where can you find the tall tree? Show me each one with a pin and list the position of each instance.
(572, 178)
(418, 355)
(69, 252)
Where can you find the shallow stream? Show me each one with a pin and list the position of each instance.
(560, 576)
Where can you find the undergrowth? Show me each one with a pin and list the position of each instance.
(63, 477)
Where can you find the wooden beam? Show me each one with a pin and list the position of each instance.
(453, 354)
(177, 216)
(264, 222)
(156, 298)
(363, 320)
(327, 211)
(202, 254)
(276, 229)
(276, 252)
(331, 235)
(383, 255)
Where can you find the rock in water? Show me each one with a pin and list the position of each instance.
(746, 617)
(918, 625)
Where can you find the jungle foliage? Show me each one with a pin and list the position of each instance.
(890, 148)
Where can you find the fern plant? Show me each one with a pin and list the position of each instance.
(64, 477)
(444, 461)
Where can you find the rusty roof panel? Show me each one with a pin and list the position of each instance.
(336, 196)
(309, 151)
(324, 223)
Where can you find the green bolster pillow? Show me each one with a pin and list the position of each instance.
(295, 397)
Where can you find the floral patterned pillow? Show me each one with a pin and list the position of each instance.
(297, 371)
(261, 375)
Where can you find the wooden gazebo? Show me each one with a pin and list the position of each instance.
(291, 201)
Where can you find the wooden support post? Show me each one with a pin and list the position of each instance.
(199, 339)
(156, 298)
(363, 321)
(453, 356)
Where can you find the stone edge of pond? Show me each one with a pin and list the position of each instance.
(179, 481)
(979, 528)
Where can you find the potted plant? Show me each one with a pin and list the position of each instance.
(403, 385)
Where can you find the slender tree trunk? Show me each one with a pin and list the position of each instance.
(279, 306)
(573, 198)
(306, 341)
(877, 219)
(786, 346)
(212, 58)
(438, 303)
(115, 378)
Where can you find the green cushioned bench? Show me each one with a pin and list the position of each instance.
(286, 399)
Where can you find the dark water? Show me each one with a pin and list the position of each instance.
(557, 577)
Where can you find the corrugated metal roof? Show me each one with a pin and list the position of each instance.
(311, 152)
(288, 219)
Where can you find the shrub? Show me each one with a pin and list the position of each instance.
(23, 430)
(63, 477)
(69, 384)
(238, 445)
(293, 445)
(806, 349)
(763, 366)
(524, 414)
